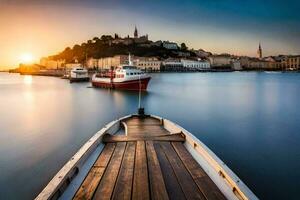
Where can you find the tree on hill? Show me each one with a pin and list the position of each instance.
(183, 47)
(96, 39)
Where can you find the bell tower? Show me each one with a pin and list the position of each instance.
(259, 52)
(136, 33)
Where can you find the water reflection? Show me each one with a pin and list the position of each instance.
(45, 120)
(27, 79)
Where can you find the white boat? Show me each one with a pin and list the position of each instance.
(79, 74)
(145, 157)
(124, 77)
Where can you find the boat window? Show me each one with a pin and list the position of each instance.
(127, 74)
(129, 67)
(131, 73)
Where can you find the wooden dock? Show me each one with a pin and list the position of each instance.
(147, 163)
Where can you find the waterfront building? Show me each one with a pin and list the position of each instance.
(69, 66)
(291, 62)
(268, 63)
(274, 63)
(259, 52)
(257, 64)
(220, 61)
(236, 65)
(170, 45)
(48, 63)
(92, 63)
(108, 62)
(30, 68)
(148, 64)
(195, 64)
(171, 64)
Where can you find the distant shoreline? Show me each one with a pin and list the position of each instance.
(60, 73)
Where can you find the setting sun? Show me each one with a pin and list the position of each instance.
(26, 58)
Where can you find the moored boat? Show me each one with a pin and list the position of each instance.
(79, 74)
(145, 157)
(125, 77)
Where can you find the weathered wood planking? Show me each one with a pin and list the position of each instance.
(185, 180)
(106, 186)
(205, 184)
(136, 121)
(148, 163)
(140, 182)
(144, 126)
(173, 187)
(123, 187)
(93, 178)
(123, 138)
(157, 184)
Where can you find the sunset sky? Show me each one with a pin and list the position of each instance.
(45, 27)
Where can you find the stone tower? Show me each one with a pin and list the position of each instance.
(136, 33)
(259, 52)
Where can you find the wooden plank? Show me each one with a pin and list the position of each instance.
(123, 138)
(147, 126)
(107, 183)
(93, 178)
(142, 121)
(105, 155)
(205, 184)
(157, 185)
(185, 180)
(153, 130)
(123, 185)
(90, 184)
(173, 187)
(140, 181)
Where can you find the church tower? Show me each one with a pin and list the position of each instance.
(136, 33)
(259, 52)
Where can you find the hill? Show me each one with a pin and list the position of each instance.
(107, 46)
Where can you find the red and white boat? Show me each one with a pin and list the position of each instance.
(126, 77)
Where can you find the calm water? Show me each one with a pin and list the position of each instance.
(250, 120)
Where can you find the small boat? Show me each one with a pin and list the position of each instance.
(145, 157)
(79, 74)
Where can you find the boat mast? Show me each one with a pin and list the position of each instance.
(140, 92)
(129, 59)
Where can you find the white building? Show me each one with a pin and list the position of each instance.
(170, 45)
(195, 64)
(172, 65)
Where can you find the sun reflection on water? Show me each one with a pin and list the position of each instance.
(27, 79)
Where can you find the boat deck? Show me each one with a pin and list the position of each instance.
(147, 163)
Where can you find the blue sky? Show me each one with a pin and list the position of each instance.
(218, 26)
